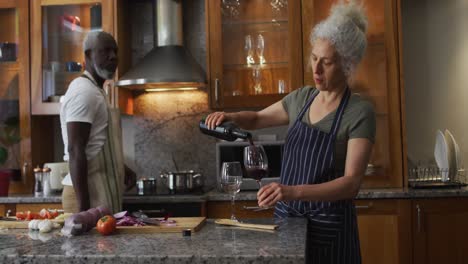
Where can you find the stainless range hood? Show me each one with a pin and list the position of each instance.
(169, 66)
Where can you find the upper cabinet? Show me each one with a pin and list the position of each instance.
(378, 80)
(58, 29)
(15, 123)
(255, 51)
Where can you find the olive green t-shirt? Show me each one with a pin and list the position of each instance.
(358, 120)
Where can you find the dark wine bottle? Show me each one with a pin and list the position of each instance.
(226, 131)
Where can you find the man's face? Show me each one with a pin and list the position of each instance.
(104, 57)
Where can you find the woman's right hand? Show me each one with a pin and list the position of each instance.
(215, 119)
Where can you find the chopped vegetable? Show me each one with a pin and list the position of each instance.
(120, 214)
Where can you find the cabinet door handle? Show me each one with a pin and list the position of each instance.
(369, 206)
(25, 172)
(217, 91)
(418, 210)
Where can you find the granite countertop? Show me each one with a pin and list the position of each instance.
(214, 195)
(212, 244)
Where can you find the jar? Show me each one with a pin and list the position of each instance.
(46, 182)
(38, 192)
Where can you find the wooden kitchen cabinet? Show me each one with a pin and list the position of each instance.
(255, 51)
(440, 230)
(385, 231)
(377, 79)
(15, 121)
(58, 29)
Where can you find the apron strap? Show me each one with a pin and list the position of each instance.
(339, 113)
(306, 106)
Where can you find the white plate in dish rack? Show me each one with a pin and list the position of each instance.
(441, 155)
(454, 149)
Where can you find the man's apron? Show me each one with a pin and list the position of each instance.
(332, 234)
(106, 170)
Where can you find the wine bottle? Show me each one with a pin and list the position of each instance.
(226, 131)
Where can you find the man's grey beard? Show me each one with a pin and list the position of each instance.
(103, 73)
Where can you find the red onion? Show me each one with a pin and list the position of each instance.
(104, 210)
(120, 214)
(96, 214)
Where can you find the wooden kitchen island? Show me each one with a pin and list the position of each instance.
(212, 244)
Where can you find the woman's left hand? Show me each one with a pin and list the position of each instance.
(270, 194)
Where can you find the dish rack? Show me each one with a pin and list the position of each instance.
(433, 177)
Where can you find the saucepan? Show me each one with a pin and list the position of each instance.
(182, 181)
(146, 186)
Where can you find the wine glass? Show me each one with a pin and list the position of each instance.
(257, 78)
(231, 179)
(256, 163)
(249, 50)
(260, 49)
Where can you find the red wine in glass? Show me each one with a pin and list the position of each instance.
(257, 173)
(256, 162)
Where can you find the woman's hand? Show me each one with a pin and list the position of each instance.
(215, 119)
(270, 194)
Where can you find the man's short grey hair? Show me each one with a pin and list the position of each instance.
(345, 28)
(92, 38)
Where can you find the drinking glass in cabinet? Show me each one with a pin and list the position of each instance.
(249, 50)
(257, 78)
(260, 49)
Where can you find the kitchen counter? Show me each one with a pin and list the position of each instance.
(214, 195)
(390, 193)
(212, 244)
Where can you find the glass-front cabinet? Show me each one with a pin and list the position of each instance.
(15, 136)
(377, 79)
(255, 51)
(58, 31)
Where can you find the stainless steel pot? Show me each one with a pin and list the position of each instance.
(182, 181)
(146, 186)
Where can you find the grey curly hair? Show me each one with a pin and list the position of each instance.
(345, 28)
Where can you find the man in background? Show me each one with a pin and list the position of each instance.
(92, 133)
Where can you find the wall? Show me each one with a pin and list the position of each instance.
(435, 57)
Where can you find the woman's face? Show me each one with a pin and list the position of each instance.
(326, 66)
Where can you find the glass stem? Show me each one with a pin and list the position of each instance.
(233, 217)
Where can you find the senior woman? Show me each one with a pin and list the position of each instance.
(329, 141)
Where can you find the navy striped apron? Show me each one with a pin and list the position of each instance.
(332, 234)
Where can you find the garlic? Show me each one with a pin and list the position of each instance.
(45, 226)
(35, 224)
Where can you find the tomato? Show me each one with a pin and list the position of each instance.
(20, 216)
(106, 225)
(53, 214)
(29, 215)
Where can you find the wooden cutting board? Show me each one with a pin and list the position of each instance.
(21, 224)
(182, 223)
(230, 222)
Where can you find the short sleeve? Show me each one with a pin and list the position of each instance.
(81, 107)
(296, 99)
(364, 126)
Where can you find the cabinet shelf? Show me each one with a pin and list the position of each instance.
(254, 22)
(269, 65)
(9, 65)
